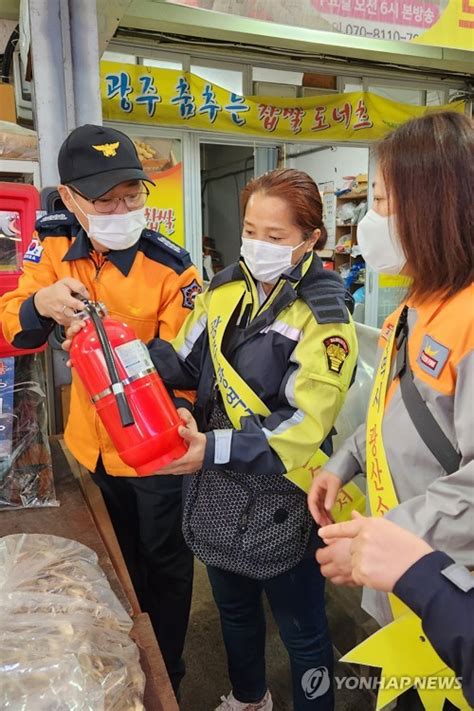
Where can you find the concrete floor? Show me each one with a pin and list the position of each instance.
(206, 677)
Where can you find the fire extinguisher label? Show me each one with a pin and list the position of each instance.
(134, 357)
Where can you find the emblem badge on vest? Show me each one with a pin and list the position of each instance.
(433, 356)
(337, 351)
(189, 293)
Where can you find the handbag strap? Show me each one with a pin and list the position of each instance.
(419, 412)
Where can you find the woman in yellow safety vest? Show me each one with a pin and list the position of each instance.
(417, 447)
(270, 348)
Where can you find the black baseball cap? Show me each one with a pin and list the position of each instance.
(94, 159)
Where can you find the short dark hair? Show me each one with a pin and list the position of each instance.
(299, 191)
(428, 168)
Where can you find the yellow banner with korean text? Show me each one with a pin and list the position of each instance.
(149, 95)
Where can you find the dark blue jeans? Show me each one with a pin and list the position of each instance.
(297, 601)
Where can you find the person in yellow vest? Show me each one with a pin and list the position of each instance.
(271, 349)
(417, 448)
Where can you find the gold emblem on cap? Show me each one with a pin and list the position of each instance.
(108, 149)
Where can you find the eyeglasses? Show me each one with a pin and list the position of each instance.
(105, 206)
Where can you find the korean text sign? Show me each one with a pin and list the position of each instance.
(148, 95)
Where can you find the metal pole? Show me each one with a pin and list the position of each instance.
(66, 90)
(67, 64)
(48, 84)
(85, 61)
(65, 53)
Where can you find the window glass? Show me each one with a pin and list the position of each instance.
(352, 87)
(278, 76)
(435, 98)
(162, 63)
(396, 93)
(266, 88)
(229, 79)
(10, 237)
(119, 57)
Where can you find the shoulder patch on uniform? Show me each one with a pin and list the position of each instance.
(161, 249)
(337, 351)
(34, 252)
(190, 292)
(56, 224)
(328, 309)
(231, 273)
(324, 293)
(433, 356)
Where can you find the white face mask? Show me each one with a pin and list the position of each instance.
(379, 243)
(266, 261)
(115, 231)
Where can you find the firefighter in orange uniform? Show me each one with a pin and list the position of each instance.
(100, 248)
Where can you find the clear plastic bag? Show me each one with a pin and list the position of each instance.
(40, 563)
(48, 684)
(345, 213)
(61, 606)
(64, 634)
(108, 659)
(26, 472)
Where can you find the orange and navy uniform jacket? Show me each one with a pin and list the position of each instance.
(151, 286)
(437, 506)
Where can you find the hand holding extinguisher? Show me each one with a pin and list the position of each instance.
(127, 392)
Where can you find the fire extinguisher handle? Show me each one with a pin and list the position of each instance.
(125, 412)
(126, 416)
(80, 297)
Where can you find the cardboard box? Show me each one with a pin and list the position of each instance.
(7, 103)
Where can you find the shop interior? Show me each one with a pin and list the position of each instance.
(225, 169)
(341, 173)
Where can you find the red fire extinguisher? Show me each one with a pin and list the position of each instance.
(129, 396)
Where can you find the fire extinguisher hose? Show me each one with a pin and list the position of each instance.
(117, 387)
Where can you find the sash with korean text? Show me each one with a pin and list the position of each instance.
(400, 648)
(241, 401)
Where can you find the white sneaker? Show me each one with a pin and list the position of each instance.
(230, 703)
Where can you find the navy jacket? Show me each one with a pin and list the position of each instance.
(441, 593)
